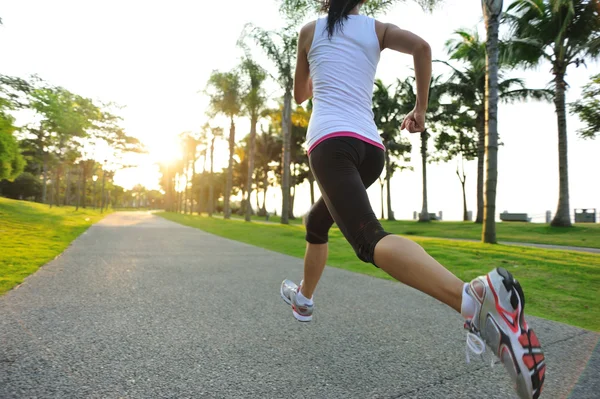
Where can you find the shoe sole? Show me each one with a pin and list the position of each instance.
(297, 315)
(520, 352)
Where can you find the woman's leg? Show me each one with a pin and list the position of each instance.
(314, 264)
(343, 168)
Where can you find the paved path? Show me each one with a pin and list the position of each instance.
(139, 307)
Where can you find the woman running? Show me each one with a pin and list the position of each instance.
(337, 60)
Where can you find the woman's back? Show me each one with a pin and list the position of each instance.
(343, 69)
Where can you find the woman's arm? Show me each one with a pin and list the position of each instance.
(302, 81)
(392, 37)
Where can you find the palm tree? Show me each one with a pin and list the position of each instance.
(436, 113)
(217, 132)
(562, 32)
(268, 151)
(203, 142)
(491, 16)
(280, 47)
(387, 114)
(225, 98)
(468, 84)
(254, 102)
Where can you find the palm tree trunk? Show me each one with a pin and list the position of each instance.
(311, 182)
(211, 187)
(480, 164)
(266, 184)
(84, 185)
(388, 175)
(286, 127)
(102, 199)
(253, 123)
(56, 198)
(257, 192)
(229, 184)
(381, 183)
(67, 193)
(562, 217)
(79, 187)
(424, 216)
(492, 10)
(192, 188)
(44, 178)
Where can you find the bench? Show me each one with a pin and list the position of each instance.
(514, 217)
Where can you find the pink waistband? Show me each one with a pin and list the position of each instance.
(346, 134)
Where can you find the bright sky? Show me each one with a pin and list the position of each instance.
(154, 57)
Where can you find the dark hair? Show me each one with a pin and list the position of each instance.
(337, 12)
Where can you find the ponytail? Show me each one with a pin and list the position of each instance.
(337, 12)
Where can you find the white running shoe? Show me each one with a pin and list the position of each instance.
(500, 322)
(288, 291)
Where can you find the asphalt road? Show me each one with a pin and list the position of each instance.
(140, 307)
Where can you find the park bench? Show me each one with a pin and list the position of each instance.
(586, 215)
(514, 217)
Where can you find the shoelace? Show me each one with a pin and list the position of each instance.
(474, 343)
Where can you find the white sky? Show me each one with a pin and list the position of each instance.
(154, 57)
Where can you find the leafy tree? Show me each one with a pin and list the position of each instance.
(588, 108)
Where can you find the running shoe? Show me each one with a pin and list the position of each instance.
(288, 291)
(500, 323)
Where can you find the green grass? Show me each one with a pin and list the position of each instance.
(33, 234)
(559, 285)
(580, 235)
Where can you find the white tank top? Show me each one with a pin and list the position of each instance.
(343, 73)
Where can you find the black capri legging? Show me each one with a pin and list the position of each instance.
(344, 167)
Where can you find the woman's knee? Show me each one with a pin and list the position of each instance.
(317, 228)
(365, 240)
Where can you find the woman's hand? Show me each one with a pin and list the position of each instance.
(414, 122)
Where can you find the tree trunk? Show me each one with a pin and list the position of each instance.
(253, 123)
(79, 187)
(211, 188)
(292, 189)
(492, 10)
(56, 199)
(68, 191)
(102, 198)
(192, 188)
(562, 217)
(229, 184)
(311, 182)
(463, 180)
(480, 122)
(94, 195)
(266, 184)
(45, 178)
(83, 185)
(424, 216)
(388, 176)
(286, 128)
(381, 183)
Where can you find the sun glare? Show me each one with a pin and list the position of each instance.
(163, 149)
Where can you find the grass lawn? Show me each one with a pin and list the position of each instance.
(559, 285)
(580, 235)
(32, 234)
